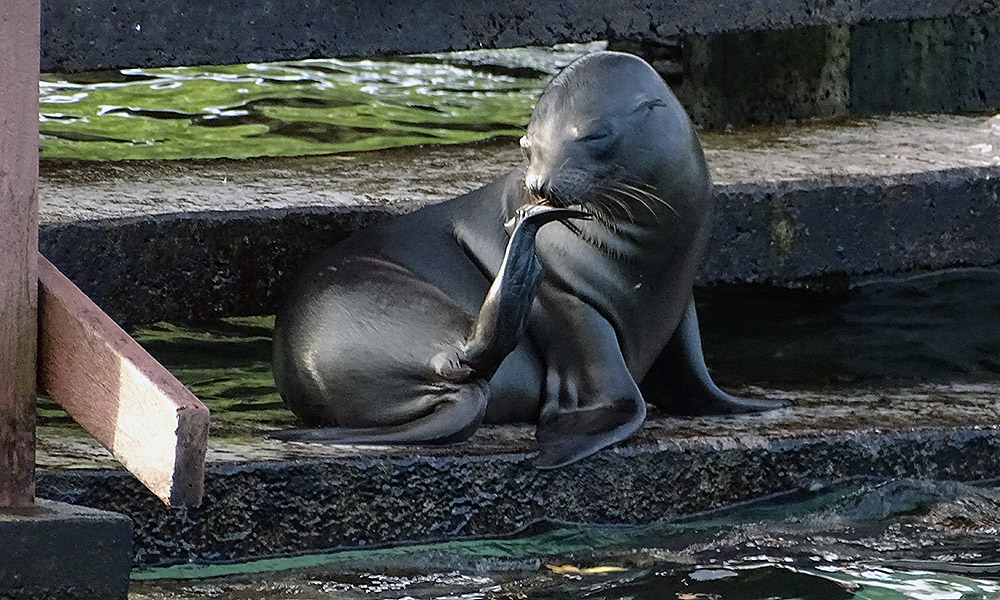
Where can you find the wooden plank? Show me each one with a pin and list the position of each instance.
(112, 387)
(19, 33)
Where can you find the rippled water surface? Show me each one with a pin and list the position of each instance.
(882, 540)
(295, 108)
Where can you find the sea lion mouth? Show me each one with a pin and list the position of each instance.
(568, 214)
(555, 201)
(558, 190)
(579, 211)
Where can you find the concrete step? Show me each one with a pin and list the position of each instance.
(265, 498)
(806, 205)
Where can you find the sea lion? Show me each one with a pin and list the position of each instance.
(422, 327)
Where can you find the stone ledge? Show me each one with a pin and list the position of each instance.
(196, 266)
(266, 499)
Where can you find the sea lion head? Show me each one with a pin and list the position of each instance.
(605, 134)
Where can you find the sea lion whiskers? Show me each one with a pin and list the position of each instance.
(614, 192)
(599, 196)
(637, 195)
(571, 226)
(646, 192)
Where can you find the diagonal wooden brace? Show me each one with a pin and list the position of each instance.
(111, 386)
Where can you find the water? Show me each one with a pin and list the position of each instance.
(924, 327)
(295, 108)
(863, 540)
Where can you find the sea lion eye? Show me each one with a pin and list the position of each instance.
(651, 104)
(526, 147)
(595, 136)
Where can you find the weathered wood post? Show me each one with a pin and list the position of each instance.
(60, 338)
(19, 43)
(49, 549)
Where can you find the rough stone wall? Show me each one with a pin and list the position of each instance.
(735, 79)
(945, 65)
(80, 35)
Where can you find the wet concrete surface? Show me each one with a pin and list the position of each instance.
(265, 498)
(409, 177)
(816, 414)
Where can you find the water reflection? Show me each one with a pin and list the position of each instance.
(865, 540)
(295, 108)
(927, 327)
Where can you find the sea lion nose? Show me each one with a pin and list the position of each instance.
(537, 185)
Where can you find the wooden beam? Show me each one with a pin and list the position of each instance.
(112, 387)
(19, 33)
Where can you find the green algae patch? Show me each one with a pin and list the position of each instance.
(227, 365)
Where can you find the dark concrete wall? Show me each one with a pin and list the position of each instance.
(944, 65)
(741, 78)
(79, 35)
(948, 65)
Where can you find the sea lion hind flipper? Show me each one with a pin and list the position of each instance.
(567, 436)
(679, 382)
(453, 419)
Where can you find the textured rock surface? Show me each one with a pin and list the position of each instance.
(102, 34)
(736, 78)
(264, 498)
(938, 65)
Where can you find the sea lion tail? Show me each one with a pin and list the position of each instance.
(502, 317)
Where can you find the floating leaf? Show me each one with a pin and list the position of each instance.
(571, 570)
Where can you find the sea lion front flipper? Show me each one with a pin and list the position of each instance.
(590, 398)
(567, 436)
(681, 384)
